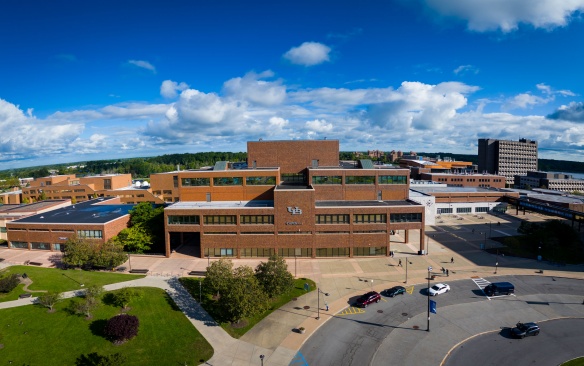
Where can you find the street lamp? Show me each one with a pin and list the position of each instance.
(496, 265)
(262, 359)
(428, 293)
(407, 260)
(200, 286)
(318, 292)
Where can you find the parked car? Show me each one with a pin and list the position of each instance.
(523, 330)
(396, 290)
(368, 298)
(439, 288)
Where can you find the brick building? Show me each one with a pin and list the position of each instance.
(295, 198)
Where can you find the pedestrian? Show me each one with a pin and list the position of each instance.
(399, 264)
(326, 305)
(447, 273)
(443, 270)
(452, 260)
(473, 231)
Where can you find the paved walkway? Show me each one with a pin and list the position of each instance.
(454, 244)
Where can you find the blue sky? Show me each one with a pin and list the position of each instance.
(102, 79)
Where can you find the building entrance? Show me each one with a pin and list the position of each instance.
(186, 244)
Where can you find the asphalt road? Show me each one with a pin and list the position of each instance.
(354, 339)
(559, 340)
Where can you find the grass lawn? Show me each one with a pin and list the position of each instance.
(192, 285)
(575, 362)
(60, 280)
(31, 336)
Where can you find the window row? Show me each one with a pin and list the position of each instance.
(90, 234)
(229, 181)
(406, 217)
(337, 179)
(330, 219)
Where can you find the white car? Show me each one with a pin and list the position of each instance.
(439, 288)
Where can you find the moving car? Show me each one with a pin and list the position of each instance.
(523, 330)
(439, 288)
(396, 290)
(368, 298)
(499, 288)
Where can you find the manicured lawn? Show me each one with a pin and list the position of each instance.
(60, 280)
(31, 336)
(575, 362)
(210, 305)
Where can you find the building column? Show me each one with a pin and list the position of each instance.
(407, 236)
(423, 248)
(167, 242)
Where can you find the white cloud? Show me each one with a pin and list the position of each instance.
(143, 64)
(253, 89)
(507, 15)
(319, 126)
(25, 136)
(278, 122)
(308, 54)
(169, 88)
(524, 100)
(466, 69)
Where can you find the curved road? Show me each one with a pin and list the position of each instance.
(387, 330)
(559, 341)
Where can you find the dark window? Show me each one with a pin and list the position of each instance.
(175, 181)
(392, 179)
(195, 182)
(220, 220)
(332, 219)
(360, 179)
(107, 184)
(228, 181)
(257, 219)
(369, 218)
(260, 181)
(184, 220)
(334, 179)
(407, 217)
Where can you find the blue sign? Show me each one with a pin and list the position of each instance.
(306, 287)
(433, 306)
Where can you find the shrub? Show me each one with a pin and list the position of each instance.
(121, 328)
(123, 297)
(9, 283)
(95, 359)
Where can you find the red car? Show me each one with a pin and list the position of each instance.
(368, 298)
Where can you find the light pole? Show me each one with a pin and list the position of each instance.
(200, 286)
(428, 293)
(407, 260)
(318, 292)
(262, 359)
(496, 265)
(295, 275)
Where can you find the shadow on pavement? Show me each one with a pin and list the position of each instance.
(188, 305)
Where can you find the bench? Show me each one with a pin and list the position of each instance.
(198, 273)
(144, 271)
(35, 263)
(24, 296)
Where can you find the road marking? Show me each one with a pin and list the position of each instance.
(298, 360)
(410, 290)
(482, 283)
(351, 310)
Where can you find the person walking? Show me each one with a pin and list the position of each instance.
(326, 306)
(399, 264)
(443, 270)
(447, 273)
(452, 260)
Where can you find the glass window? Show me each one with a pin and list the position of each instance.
(195, 182)
(332, 219)
(2, 229)
(90, 234)
(107, 184)
(293, 178)
(463, 209)
(360, 179)
(257, 219)
(220, 220)
(335, 179)
(228, 181)
(444, 210)
(57, 247)
(369, 251)
(406, 217)
(392, 179)
(481, 209)
(175, 181)
(184, 220)
(295, 252)
(332, 252)
(260, 181)
(19, 244)
(369, 218)
(256, 252)
(40, 246)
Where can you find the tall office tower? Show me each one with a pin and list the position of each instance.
(507, 158)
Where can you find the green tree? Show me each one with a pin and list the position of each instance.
(78, 252)
(94, 292)
(86, 306)
(274, 277)
(49, 299)
(125, 296)
(244, 297)
(110, 254)
(136, 239)
(219, 276)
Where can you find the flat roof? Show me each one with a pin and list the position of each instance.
(189, 205)
(452, 189)
(293, 187)
(95, 211)
(37, 206)
(365, 203)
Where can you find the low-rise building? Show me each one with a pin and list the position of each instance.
(549, 180)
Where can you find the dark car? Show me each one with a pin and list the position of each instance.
(523, 330)
(368, 298)
(397, 290)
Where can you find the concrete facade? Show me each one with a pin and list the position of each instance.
(507, 158)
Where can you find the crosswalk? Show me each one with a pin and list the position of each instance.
(482, 283)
